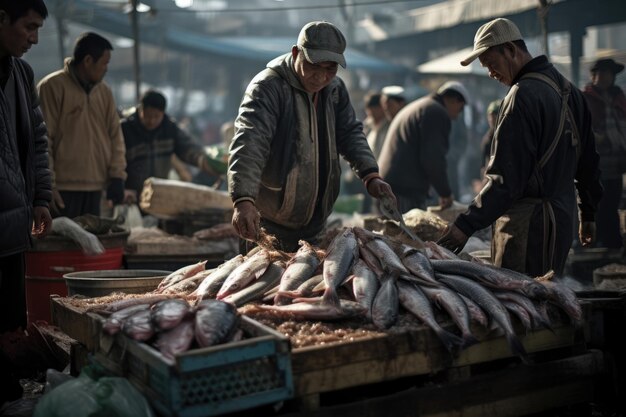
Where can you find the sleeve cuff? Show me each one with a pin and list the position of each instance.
(240, 199)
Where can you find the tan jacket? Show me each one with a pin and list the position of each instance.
(86, 142)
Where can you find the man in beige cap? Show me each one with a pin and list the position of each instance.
(544, 149)
(294, 119)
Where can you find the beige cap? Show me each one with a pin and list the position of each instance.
(495, 32)
(322, 42)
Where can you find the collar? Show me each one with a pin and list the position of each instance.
(537, 64)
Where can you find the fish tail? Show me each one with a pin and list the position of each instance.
(518, 348)
(469, 340)
(449, 340)
(330, 297)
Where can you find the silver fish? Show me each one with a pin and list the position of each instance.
(389, 261)
(435, 251)
(488, 302)
(300, 268)
(180, 274)
(139, 326)
(455, 306)
(211, 285)
(476, 313)
(129, 302)
(413, 300)
(385, 305)
(317, 310)
(499, 278)
(188, 285)
(257, 289)
(249, 270)
(419, 265)
(215, 322)
(518, 311)
(114, 322)
(565, 297)
(365, 286)
(168, 314)
(337, 263)
(526, 304)
(177, 340)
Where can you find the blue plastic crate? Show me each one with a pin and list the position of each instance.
(209, 381)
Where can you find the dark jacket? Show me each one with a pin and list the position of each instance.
(414, 152)
(25, 179)
(283, 158)
(612, 158)
(527, 124)
(149, 153)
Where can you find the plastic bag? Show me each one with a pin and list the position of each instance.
(67, 227)
(131, 214)
(87, 396)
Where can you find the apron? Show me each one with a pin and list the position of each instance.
(510, 232)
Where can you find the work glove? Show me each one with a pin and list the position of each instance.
(587, 233)
(115, 191)
(246, 219)
(453, 239)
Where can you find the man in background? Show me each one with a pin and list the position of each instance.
(414, 154)
(25, 189)
(86, 145)
(152, 137)
(392, 99)
(607, 104)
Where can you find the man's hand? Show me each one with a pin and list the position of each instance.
(57, 204)
(453, 238)
(42, 222)
(378, 188)
(587, 233)
(446, 202)
(115, 191)
(246, 220)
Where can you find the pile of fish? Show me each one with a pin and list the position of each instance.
(172, 325)
(373, 278)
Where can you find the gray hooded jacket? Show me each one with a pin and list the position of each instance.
(275, 156)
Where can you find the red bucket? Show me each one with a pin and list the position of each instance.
(54, 256)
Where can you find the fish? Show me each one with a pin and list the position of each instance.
(389, 261)
(188, 285)
(412, 298)
(488, 302)
(176, 340)
(252, 268)
(180, 274)
(316, 310)
(139, 326)
(215, 322)
(129, 302)
(210, 286)
(436, 251)
(499, 278)
(270, 278)
(386, 304)
(300, 267)
(452, 303)
(518, 311)
(476, 313)
(339, 258)
(168, 314)
(566, 299)
(365, 286)
(113, 324)
(533, 312)
(419, 266)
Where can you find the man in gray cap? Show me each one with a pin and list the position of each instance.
(414, 152)
(294, 119)
(543, 149)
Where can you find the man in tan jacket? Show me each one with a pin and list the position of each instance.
(87, 153)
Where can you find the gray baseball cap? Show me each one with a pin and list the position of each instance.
(456, 87)
(495, 32)
(322, 42)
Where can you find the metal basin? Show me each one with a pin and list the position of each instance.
(100, 283)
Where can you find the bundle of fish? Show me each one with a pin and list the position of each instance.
(373, 278)
(172, 324)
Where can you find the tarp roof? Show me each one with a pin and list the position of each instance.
(451, 64)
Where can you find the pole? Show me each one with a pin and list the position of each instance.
(543, 22)
(134, 19)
